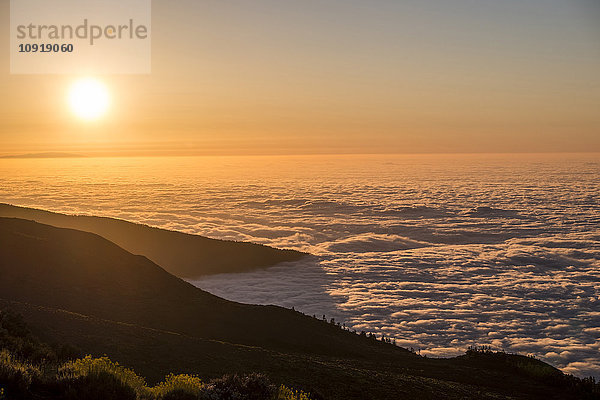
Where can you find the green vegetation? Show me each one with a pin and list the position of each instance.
(103, 369)
(37, 373)
(101, 379)
(186, 385)
(15, 376)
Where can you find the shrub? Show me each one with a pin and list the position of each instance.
(101, 379)
(15, 376)
(180, 387)
(101, 385)
(100, 368)
(235, 387)
(285, 393)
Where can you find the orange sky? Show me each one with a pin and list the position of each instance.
(272, 77)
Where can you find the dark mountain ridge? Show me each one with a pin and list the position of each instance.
(85, 273)
(184, 255)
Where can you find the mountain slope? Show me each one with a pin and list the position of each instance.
(79, 288)
(184, 255)
(85, 273)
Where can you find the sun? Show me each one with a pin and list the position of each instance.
(89, 99)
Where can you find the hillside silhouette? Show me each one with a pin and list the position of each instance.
(80, 289)
(184, 255)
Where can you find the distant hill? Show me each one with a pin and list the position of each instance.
(78, 288)
(184, 255)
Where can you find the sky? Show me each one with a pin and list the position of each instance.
(327, 76)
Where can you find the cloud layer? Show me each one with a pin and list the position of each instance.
(438, 253)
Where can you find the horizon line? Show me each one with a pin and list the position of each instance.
(143, 154)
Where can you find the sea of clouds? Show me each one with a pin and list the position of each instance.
(439, 252)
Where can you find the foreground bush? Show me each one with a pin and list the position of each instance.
(99, 386)
(102, 379)
(285, 393)
(178, 387)
(15, 377)
(235, 387)
(98, 370)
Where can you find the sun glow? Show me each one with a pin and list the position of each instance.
(89, 99)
